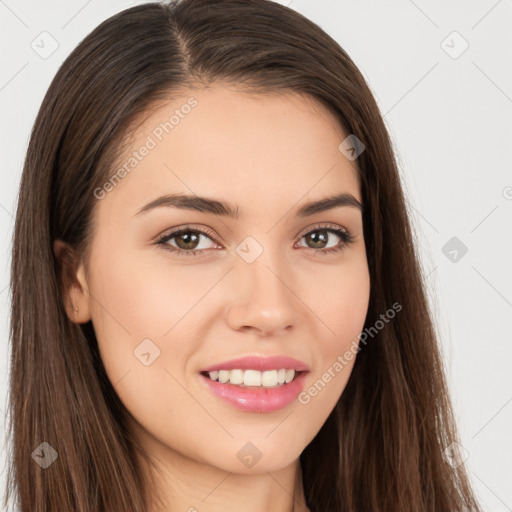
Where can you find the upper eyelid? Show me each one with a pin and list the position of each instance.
(177, 231)
(328, 226)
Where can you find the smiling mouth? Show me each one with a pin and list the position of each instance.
(254, 378)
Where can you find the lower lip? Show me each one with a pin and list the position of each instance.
(258, 399)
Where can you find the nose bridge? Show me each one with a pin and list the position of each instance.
(264, 297)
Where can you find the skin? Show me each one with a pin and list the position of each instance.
(269, 155)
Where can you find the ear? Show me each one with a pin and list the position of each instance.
(73, 283)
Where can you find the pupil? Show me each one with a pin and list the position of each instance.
(318, 239)
(190, 238)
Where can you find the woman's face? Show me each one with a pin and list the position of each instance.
(270, 281)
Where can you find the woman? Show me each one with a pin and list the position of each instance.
(292, 362)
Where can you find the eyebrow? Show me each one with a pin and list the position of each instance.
(225, 209)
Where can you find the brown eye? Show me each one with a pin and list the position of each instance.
(186, 241)
(319, 238)
(322, 240)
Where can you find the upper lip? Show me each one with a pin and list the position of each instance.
(259, 363)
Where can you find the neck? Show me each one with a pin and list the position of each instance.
(183, 484)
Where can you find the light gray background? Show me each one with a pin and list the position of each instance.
(450, 119)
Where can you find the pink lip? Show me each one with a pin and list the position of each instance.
(258, 399)
(260, 363)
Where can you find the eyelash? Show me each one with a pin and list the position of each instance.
(345, 236)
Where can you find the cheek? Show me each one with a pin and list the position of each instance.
(341, 298)
(139, 298)
(129, 305)
(136, 316)
(348, 306)
(342, 307)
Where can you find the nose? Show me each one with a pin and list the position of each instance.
(263, 299)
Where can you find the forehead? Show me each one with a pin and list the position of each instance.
(220, 141)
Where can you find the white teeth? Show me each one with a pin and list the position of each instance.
(269, 378)
(224, 376)
(236, 377)
(289, 375)
(255, 378)
(252, 378)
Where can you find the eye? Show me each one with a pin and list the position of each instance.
(187, 240)
(320, 237)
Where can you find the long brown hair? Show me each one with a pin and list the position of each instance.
(381, 448)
